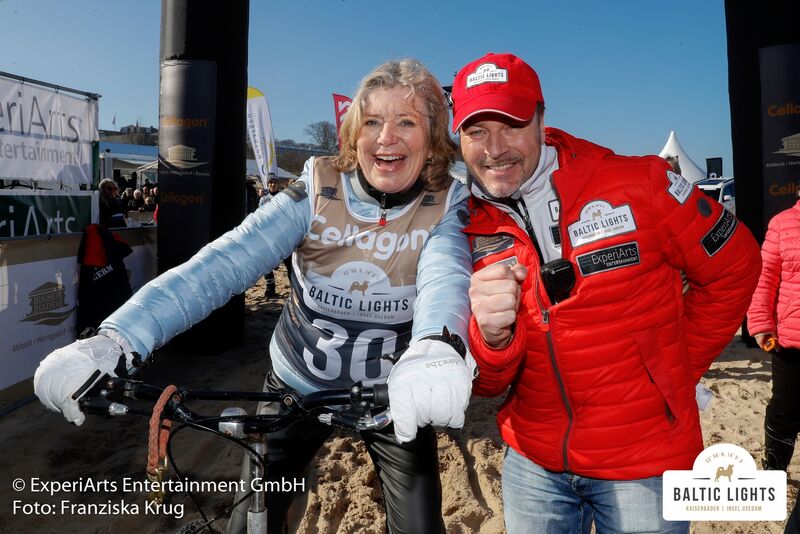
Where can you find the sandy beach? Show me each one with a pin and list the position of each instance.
(39, 448)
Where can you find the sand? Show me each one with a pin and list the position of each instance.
(39, 447)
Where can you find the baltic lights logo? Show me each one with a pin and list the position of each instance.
(487, 73)
(724, 484)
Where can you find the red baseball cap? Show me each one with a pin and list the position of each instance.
(496, 83)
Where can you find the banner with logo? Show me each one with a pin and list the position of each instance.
(41, 213)
(259, 129)
(724, 485)
(38, 295)
(185, 157)
(780, 127)
(39, 315)
(341, 104)
(45, 136)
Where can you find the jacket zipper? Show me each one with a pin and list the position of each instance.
(546, 322)
(384, 211)
(546, 311)
(551, 350)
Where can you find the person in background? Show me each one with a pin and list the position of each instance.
(577, 307)
(393, 288)
(112, 210)
(127, 196)
(149, 204)
(774, 322)
(674, 164)
(269, 193)
(266, 195)
(136, 203)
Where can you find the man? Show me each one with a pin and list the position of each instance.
(265, 195)
(577, 305)
(271, 191)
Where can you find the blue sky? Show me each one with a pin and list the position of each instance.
(622, 73)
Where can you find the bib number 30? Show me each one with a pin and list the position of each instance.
(333, 352)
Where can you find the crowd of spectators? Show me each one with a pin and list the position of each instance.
(144, 199)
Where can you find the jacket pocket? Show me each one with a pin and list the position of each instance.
(657, 370)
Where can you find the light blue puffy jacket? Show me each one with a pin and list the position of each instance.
(188, 293)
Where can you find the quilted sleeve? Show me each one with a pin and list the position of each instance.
(443, 273)
(498, 367)
(761, 315)
(717, 253)
(188, 293)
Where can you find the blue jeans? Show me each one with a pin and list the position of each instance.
(539, 501)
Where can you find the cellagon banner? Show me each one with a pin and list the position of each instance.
(780, 126)
(259, 129)
(341, 104)
(46, 136)
(185, 157)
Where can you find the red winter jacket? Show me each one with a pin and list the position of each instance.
(603, 383)
(776, 302)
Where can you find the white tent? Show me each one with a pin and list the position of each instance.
(689, 169)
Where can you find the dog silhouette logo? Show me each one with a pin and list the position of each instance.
(359, 286)
(724, 472)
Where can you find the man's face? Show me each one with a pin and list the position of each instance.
(501, 153)
(273, 187)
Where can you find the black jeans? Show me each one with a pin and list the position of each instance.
(408, 474)
(782, 421)
(793, 523)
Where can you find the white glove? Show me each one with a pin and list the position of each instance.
(430, 384)
(78, 367)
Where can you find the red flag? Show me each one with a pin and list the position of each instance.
(341, 104)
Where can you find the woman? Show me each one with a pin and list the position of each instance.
(774, 321)
(112, 210)
(380, 266)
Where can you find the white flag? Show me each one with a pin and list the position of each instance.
(259, 129)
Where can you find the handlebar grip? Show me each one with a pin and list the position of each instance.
(380, 394)
(95, 404)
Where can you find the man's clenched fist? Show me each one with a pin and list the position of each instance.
(494, 292)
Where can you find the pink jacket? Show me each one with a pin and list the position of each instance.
(776, 303)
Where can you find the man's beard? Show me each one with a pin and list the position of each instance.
(499, 189)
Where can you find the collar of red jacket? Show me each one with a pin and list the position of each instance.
(577, 161)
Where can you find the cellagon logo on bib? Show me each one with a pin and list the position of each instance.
(599, 220)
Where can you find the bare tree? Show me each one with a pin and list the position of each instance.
(323, 134)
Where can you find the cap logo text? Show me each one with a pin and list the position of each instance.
(487, 73)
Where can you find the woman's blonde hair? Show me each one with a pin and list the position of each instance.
(414, 75)
(105, 187)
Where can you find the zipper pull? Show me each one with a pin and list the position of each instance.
(382, 222)
(545, 320)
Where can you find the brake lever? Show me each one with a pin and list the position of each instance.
(351, 421)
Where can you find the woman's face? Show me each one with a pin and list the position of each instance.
(393, 144)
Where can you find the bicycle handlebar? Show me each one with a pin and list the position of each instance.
(357, 401)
